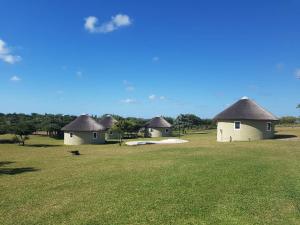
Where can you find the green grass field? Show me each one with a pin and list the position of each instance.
(200, 182)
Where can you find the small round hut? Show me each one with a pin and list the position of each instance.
(158, 127)
(245, 120)
(84, 130)
(108, 122)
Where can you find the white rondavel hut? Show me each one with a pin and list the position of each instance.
(158, 127)
(84, 130)
(245, 120)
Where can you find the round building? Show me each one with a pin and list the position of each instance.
(84, 130)
(108, 122)
(245, 120)
(158, 127)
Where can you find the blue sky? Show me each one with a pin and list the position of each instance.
(148, 58)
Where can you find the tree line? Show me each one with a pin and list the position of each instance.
(23, 125)
(132, 127)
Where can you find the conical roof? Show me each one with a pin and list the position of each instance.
(108, 121)
(246, 109)
(158, 122)
(83, 123)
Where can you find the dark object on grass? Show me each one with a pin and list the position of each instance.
(8, 141)
(14, 171)
(284, 136)
(75, 152)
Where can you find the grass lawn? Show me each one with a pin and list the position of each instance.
(200, 182)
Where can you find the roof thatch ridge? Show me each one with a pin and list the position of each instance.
(247, 109)
(158, 122)
(108, 121)
(83, 123)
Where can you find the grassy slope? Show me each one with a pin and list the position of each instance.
(201, 182)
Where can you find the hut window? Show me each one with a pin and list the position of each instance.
(71, 135)
(167, 130)
(94, 135)
(110, 132)
(269, 126)
(237, 125)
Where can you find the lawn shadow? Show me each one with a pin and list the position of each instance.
(3, 163)
(41, 145)
(199, 132)
(110, 142)
(7, 141)
(14, 171)
(284, 136)
(57, 137)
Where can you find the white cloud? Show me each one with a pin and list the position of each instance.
(15, 78)
(297, 73)
(117, 21)
(155, 59)
(152, 97)
(5, 54)
(121, 20)
(128, 101)
(90, 23)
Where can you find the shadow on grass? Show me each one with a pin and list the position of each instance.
(284, 136)
(7, 141)
(41, 145)
(198, 132)
(14, 171)
(3, 163)
(110, 142)
(57, 137)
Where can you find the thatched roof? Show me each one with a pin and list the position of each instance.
(108, 121)
(158, 122)
(245, 109)
(83, 123)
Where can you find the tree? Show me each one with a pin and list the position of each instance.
(287, 120)
(193, 120)
(3, 124)
(22, 130)
(208, 123)
(298, 107)
(187, 121)
(120, 127)
(134, 124)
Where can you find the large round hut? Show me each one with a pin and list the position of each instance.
(108, 122)
(245, 120)
(84, 130)
(158, 127)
